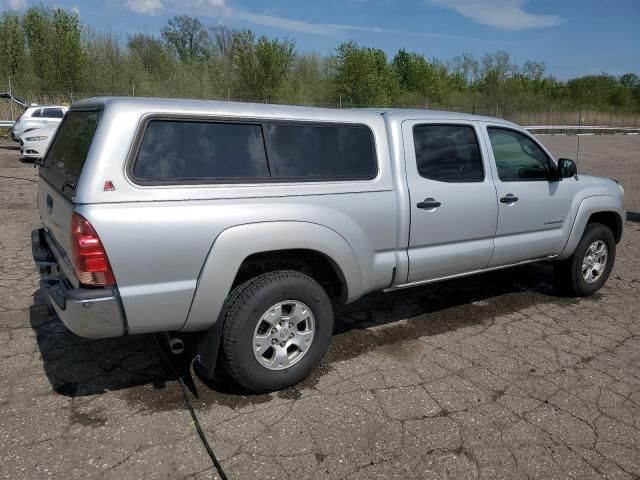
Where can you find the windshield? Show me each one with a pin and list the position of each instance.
(66, 156)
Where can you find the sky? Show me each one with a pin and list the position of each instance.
(572, 37)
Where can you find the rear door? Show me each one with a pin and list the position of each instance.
(60, 172)
(534, 207)
(453, 199)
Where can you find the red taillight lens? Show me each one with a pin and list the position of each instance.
(89, 258)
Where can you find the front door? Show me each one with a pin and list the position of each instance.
(453, 199)
(534, 207)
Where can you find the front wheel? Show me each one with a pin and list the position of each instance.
(276, 329)
(587, 270)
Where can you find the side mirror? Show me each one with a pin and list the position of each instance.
(567, 168)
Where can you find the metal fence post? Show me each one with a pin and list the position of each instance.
(11, 101)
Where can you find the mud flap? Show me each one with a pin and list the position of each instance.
(208, 349)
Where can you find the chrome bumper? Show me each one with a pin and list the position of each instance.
(87, 312)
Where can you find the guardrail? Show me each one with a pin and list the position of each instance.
(6, 123)
(582, 129)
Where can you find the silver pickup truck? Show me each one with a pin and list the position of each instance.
(248, 222)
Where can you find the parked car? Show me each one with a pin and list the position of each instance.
(37, 116)
(247, 223)
(34, 143)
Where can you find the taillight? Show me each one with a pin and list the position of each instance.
(89, 258)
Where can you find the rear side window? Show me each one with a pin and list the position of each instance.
(448, 153)
(67, 154)
(319, 152)
(201, 151)
(52, 113)
(181, 150)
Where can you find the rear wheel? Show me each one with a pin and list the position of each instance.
(276, 329)
(587, 270)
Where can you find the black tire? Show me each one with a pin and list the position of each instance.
(245, 306)
(568, 273)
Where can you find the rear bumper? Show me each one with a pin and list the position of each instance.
(87, 312)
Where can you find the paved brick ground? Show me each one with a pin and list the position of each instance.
(489, 377)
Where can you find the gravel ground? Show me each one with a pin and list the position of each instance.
(494, 376)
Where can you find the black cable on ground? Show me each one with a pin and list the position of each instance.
(185, 394)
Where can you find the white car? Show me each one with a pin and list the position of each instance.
(37, 116)
(34, 143)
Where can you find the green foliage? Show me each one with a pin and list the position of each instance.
(187, 37)
(56, 52)
(430, 80)
(67, 52)
(363, 76)
(150, 52)
(13, 53)
(261, 66)
(48, 52)
(310, 80)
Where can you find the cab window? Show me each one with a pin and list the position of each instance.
(448, 153)
(518, 158)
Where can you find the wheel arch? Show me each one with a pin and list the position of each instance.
(603, 209)
(609, 219)
(317, 265)
(236, 250)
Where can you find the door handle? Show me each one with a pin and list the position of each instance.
(428, 204)
(509, 199)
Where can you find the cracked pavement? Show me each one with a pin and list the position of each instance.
(494, 376)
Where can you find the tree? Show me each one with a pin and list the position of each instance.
(50, 56)
(533, 70)
(465, 67)
(37, 28)
(55, 47)
(273, 61)
(308, 82)
(363, 76)
(261, 67)
(595, 90)
(68, 54)
(13, 53)
(187, 37)
(631, 81)
(417, 75)
(495, 68)
(150, 51)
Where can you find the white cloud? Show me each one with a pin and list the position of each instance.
(393, 31)
(220, 9)
(145, 7)
(284, 23)
(76, 10)
(13, 4)
(505, 14)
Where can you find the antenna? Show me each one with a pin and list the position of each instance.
(579, 126)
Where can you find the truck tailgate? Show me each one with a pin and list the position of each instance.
(59, 175)
(55, 211)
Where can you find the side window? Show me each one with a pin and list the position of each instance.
(52, 113)
(178, 150)
(518, 158)
(37, 113)
(320, 151)
(448, 153)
